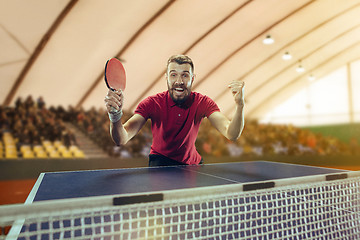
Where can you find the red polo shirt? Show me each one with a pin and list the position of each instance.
(175, 127)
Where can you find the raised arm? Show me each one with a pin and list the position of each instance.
(121, 133)
(231, 129)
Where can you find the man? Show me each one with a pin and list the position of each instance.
(175, 116)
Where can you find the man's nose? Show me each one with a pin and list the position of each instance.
(179, 80)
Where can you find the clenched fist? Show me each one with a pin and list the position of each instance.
(237, 89)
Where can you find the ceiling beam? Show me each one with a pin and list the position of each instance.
(15, 39)
(41, 45)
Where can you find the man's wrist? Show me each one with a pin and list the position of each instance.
(240, 105)
(115, 116)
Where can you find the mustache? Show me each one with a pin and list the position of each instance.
(176, 85)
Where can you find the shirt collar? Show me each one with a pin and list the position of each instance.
(186, 104)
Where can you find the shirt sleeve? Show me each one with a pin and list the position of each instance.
(144, 108)
(210, 106)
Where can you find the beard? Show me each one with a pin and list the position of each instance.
(179, 93)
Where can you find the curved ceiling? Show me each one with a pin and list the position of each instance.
(57, 49)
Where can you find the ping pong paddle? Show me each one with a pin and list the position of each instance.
(115, 77)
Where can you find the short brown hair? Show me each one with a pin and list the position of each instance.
(181, 59)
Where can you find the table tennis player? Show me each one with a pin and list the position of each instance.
(175, 116)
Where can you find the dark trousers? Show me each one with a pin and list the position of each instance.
(160, 160)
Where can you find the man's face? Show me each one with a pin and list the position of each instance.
(179, 80)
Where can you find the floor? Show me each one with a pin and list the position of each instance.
(15, 191)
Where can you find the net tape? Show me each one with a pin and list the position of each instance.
(310, 210)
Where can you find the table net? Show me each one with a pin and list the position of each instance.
(317, 207)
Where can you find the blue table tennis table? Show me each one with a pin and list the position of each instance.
(75, 184)
(241, 200)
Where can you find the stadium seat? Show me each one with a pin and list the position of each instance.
(41, 154)
(1, 150)
(25, 148)
(73, 148)
(54, 154)
(10, 152)
(40, 151)
(50, 148)
(57, 144)
(10, 145)
(79, 154)
(28, 154)
(65, 153)
(10, 155)
(46, 143)
(61, 148)
(38, 148)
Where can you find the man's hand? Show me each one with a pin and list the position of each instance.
(237, 89)
(114, 101)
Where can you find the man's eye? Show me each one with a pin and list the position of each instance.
(185, 75)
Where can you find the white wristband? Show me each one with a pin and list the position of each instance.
(115, 116)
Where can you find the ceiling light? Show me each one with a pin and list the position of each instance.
(286, 56)
(311, 77)
(300, 69)
(268, 40)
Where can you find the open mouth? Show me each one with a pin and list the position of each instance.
(179, 90)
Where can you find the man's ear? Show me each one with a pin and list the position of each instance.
(193, 78)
